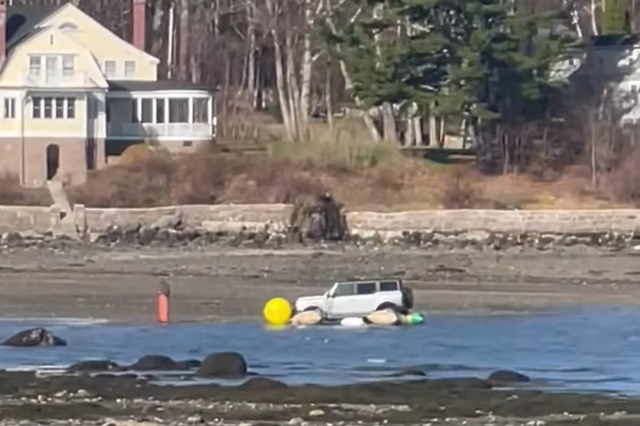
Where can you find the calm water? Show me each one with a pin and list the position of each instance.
(579, 350)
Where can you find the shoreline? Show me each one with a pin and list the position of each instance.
(222, 283)
(462, 401)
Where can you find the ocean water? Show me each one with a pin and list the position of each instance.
(590, 349)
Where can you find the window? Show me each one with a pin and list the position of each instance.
(71, 108)
(35, 65)
(389, 286)
(178, 110)
(147, 111)
(68, 65)
(129, 69)
(9, 108)
(58, 107)
(159, 110)
(110, 69)
(366, 288)
(201, 110)
(134, 110)
(68, 26)
(59, 102)
(36, 104)
(343, 290)
(48, 107)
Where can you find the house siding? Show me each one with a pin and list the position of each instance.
(72, 158)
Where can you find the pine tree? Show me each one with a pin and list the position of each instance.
(473, 58)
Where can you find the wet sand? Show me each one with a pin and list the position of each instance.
(231, 284)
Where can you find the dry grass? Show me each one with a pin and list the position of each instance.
(365, 176)
(12, 194)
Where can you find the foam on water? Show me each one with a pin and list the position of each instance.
(588, 349)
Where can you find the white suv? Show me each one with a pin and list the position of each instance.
(359, 298)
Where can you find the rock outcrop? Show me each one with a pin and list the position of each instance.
(34, 337)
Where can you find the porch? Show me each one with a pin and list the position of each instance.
(178, 114)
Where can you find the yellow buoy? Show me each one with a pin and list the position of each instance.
(277, 311)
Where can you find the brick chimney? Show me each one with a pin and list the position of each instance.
(3, 31)
(139, 21)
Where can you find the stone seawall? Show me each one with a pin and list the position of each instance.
(254, 217)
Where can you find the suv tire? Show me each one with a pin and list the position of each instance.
(388, 305)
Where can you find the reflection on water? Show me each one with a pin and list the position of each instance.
(589, 349)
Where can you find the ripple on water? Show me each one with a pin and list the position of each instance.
(583, 349)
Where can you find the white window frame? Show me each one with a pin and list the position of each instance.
(68, 65)
(35, 70)
(107, 74)
(68, 107)
(129, 69)
(9, 108)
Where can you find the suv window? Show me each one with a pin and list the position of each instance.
(344, 290)
(366, 288)
(388, 285)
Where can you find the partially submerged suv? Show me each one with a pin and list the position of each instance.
(359, 298)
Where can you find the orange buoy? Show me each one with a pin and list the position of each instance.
(163, 302)
(163, 308)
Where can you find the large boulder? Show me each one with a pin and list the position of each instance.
(155, 363)
(223, 364)
(504, 377)
(93, 366)
(34, 337)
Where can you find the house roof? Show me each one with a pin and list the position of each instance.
(22, 21)
(149, 86)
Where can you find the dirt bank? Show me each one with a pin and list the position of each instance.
(226, 283)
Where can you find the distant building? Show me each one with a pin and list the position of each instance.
(73, 93)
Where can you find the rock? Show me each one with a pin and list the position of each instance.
(195, 419)
(91, 366)
(34, 337)
(316, 413)
(223, 364)
(408, 372)
(262, 384)
(168, 222)
(154, 363)
(507, 376)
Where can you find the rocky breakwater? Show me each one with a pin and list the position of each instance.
(323, 219)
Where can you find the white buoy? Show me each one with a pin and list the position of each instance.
(352, 322)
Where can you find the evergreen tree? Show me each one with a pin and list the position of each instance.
(472, 58)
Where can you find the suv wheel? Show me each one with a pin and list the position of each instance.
(388, 305)
(314, 308)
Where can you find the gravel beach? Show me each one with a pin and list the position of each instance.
(228, 284)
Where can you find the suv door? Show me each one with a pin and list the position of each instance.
(365, 300)
(340, 303)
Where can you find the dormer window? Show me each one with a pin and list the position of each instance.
(68, 26)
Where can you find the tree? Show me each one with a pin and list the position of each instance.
(475, 59)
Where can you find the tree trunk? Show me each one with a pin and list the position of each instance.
(183, 55)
